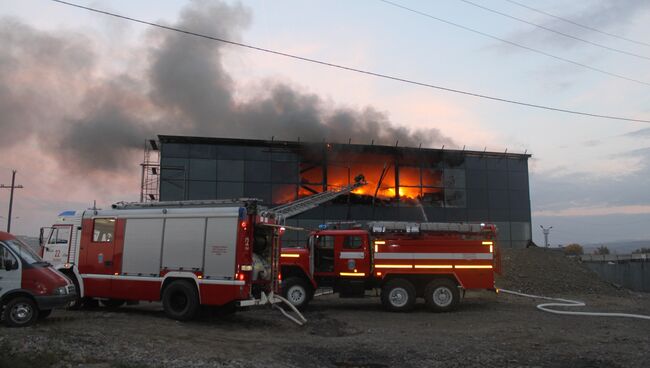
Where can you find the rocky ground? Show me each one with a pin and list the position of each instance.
(486, 331)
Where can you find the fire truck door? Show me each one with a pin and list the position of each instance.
(352, 254)
(96, 255)
(57, 245)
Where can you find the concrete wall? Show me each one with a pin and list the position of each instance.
(632, 274)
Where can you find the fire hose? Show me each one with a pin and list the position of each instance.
(299, 319)
(558, 302)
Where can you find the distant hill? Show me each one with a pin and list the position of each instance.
(619, 247)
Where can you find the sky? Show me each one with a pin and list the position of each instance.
(80, 92)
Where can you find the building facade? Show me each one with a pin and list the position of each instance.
(404, 184)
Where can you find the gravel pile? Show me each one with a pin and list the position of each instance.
(549, 272)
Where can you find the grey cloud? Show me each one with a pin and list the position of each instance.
(592, 143)
(556, 192)
(608, 15)
(643, 133)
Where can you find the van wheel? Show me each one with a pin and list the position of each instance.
(181, 300)
(442, 295)
(20, 312)
(112, 303)
(297, 291)
(398, 295)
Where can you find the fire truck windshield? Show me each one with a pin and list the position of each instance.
(24, 251)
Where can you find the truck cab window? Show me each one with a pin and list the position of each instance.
(103, 230)
(352, 242)
(59, 235)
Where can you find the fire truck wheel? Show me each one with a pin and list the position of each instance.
(112, 303)
(398, 295)
(20, 312)
(297, 291)
(442, 295)
(181, 300)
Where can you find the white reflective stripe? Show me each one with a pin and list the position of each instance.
(222, 282)
(158, 279)
(120, 277)
(352, 255)
(432, 256)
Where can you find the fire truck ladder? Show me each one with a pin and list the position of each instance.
(283, 212)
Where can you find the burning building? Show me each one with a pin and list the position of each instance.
(404, 184)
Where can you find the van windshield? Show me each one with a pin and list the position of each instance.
(23, 251)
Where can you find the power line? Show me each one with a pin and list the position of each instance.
(556, 31)
(514, 43)
(351, 69)
(577, 24)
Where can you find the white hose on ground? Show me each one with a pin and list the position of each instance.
(570, 303)
(300, 321)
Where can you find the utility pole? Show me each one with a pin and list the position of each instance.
(546, 231)
(11, 196)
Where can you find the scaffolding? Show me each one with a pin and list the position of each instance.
(150, 180)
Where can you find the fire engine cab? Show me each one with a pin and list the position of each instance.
(406, 261)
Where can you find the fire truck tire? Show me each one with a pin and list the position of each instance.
(112, 303)
(297, 291)
(20, 312)
(441, 295)
(398, 295)
(181, 300)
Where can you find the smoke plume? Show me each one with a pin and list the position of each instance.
(56, 91)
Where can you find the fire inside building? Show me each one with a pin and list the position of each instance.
(404, 184)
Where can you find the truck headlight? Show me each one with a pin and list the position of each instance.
(60, 291)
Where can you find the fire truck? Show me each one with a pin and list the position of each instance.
(185, 254)
(405, 261)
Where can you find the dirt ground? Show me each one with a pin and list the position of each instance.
(486, 331)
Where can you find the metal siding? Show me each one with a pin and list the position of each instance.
(221, 247)
(76, 239)
(183, 244)
(142, 242)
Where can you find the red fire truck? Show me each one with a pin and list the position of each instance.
(186, 254)
(433, 261)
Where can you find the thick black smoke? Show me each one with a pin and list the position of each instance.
(53, 89)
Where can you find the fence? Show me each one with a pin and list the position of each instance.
(631, 271)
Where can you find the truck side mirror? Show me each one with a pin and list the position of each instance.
(40, 238)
